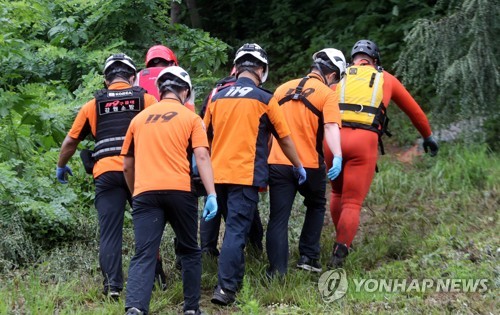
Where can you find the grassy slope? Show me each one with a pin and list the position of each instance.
(434, 218)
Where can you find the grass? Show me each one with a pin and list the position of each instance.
(431, 219)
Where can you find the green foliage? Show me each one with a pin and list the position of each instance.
(424, 217)
(418, 223)
(51, 54)
(462, 71)
(456, 171)
(201, 55)
(492, 130)
(16, 246)
(294, 30)
(44, 210)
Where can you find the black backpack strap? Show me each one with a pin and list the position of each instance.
(137, 88)
(297, 93)
(311, 107)
(359, 108)
(297, 96)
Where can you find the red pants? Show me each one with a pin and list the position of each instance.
(349, 189)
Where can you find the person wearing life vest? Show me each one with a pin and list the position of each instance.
(364, 96)
(312, 112)
(209, 230)
(106, 118)
(158, 148)
(240, 119)
(158, 58)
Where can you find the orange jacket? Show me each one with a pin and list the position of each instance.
(303, 123)
(161, 139)
(241, 118)
(85, 124)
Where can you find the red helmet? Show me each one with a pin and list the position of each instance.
(161, 52)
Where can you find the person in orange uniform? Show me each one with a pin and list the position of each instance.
(364, 95)
(240, 119)
(209, 231)
(158, 58)
(158, 148)
(106, 118)
(312, 112)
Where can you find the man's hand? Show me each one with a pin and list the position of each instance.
(210, 209)
(431, 144)
(300, 174)
(336, 168)
(61, 174)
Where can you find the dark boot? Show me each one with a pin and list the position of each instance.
(340, 252)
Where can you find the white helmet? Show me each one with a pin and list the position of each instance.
(335, 57)
(163, 82)
(119, 58)
(256, 52)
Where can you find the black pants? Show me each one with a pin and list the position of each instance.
(283, 186)
(111, 196)
(150, 214)
(240, 204)
(209, 232)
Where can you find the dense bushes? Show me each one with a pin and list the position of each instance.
(51, 55)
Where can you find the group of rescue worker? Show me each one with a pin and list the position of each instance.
(151, 148)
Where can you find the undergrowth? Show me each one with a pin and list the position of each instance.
(436, 218)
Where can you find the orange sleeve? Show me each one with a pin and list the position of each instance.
(207, 120)
(277, 118)
(199, 134)
(128, 142)
(395, 90)
(85, 122)
(331, 111)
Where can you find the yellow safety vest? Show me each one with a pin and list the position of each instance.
(360, 102)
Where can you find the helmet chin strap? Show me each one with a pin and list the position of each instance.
(251, 71)
(177, 96)
(321, 73)
(257, 76)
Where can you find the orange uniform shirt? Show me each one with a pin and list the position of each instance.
(85, 124)
(161, 139)
(306, 133)
(241, 118)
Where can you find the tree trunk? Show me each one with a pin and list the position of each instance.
(193, 13)
(175, 12)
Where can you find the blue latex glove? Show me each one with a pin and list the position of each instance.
(431, 144)
(194, 166)
(336, 168)
(210, 209)
(61, 173)
(300, 173)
